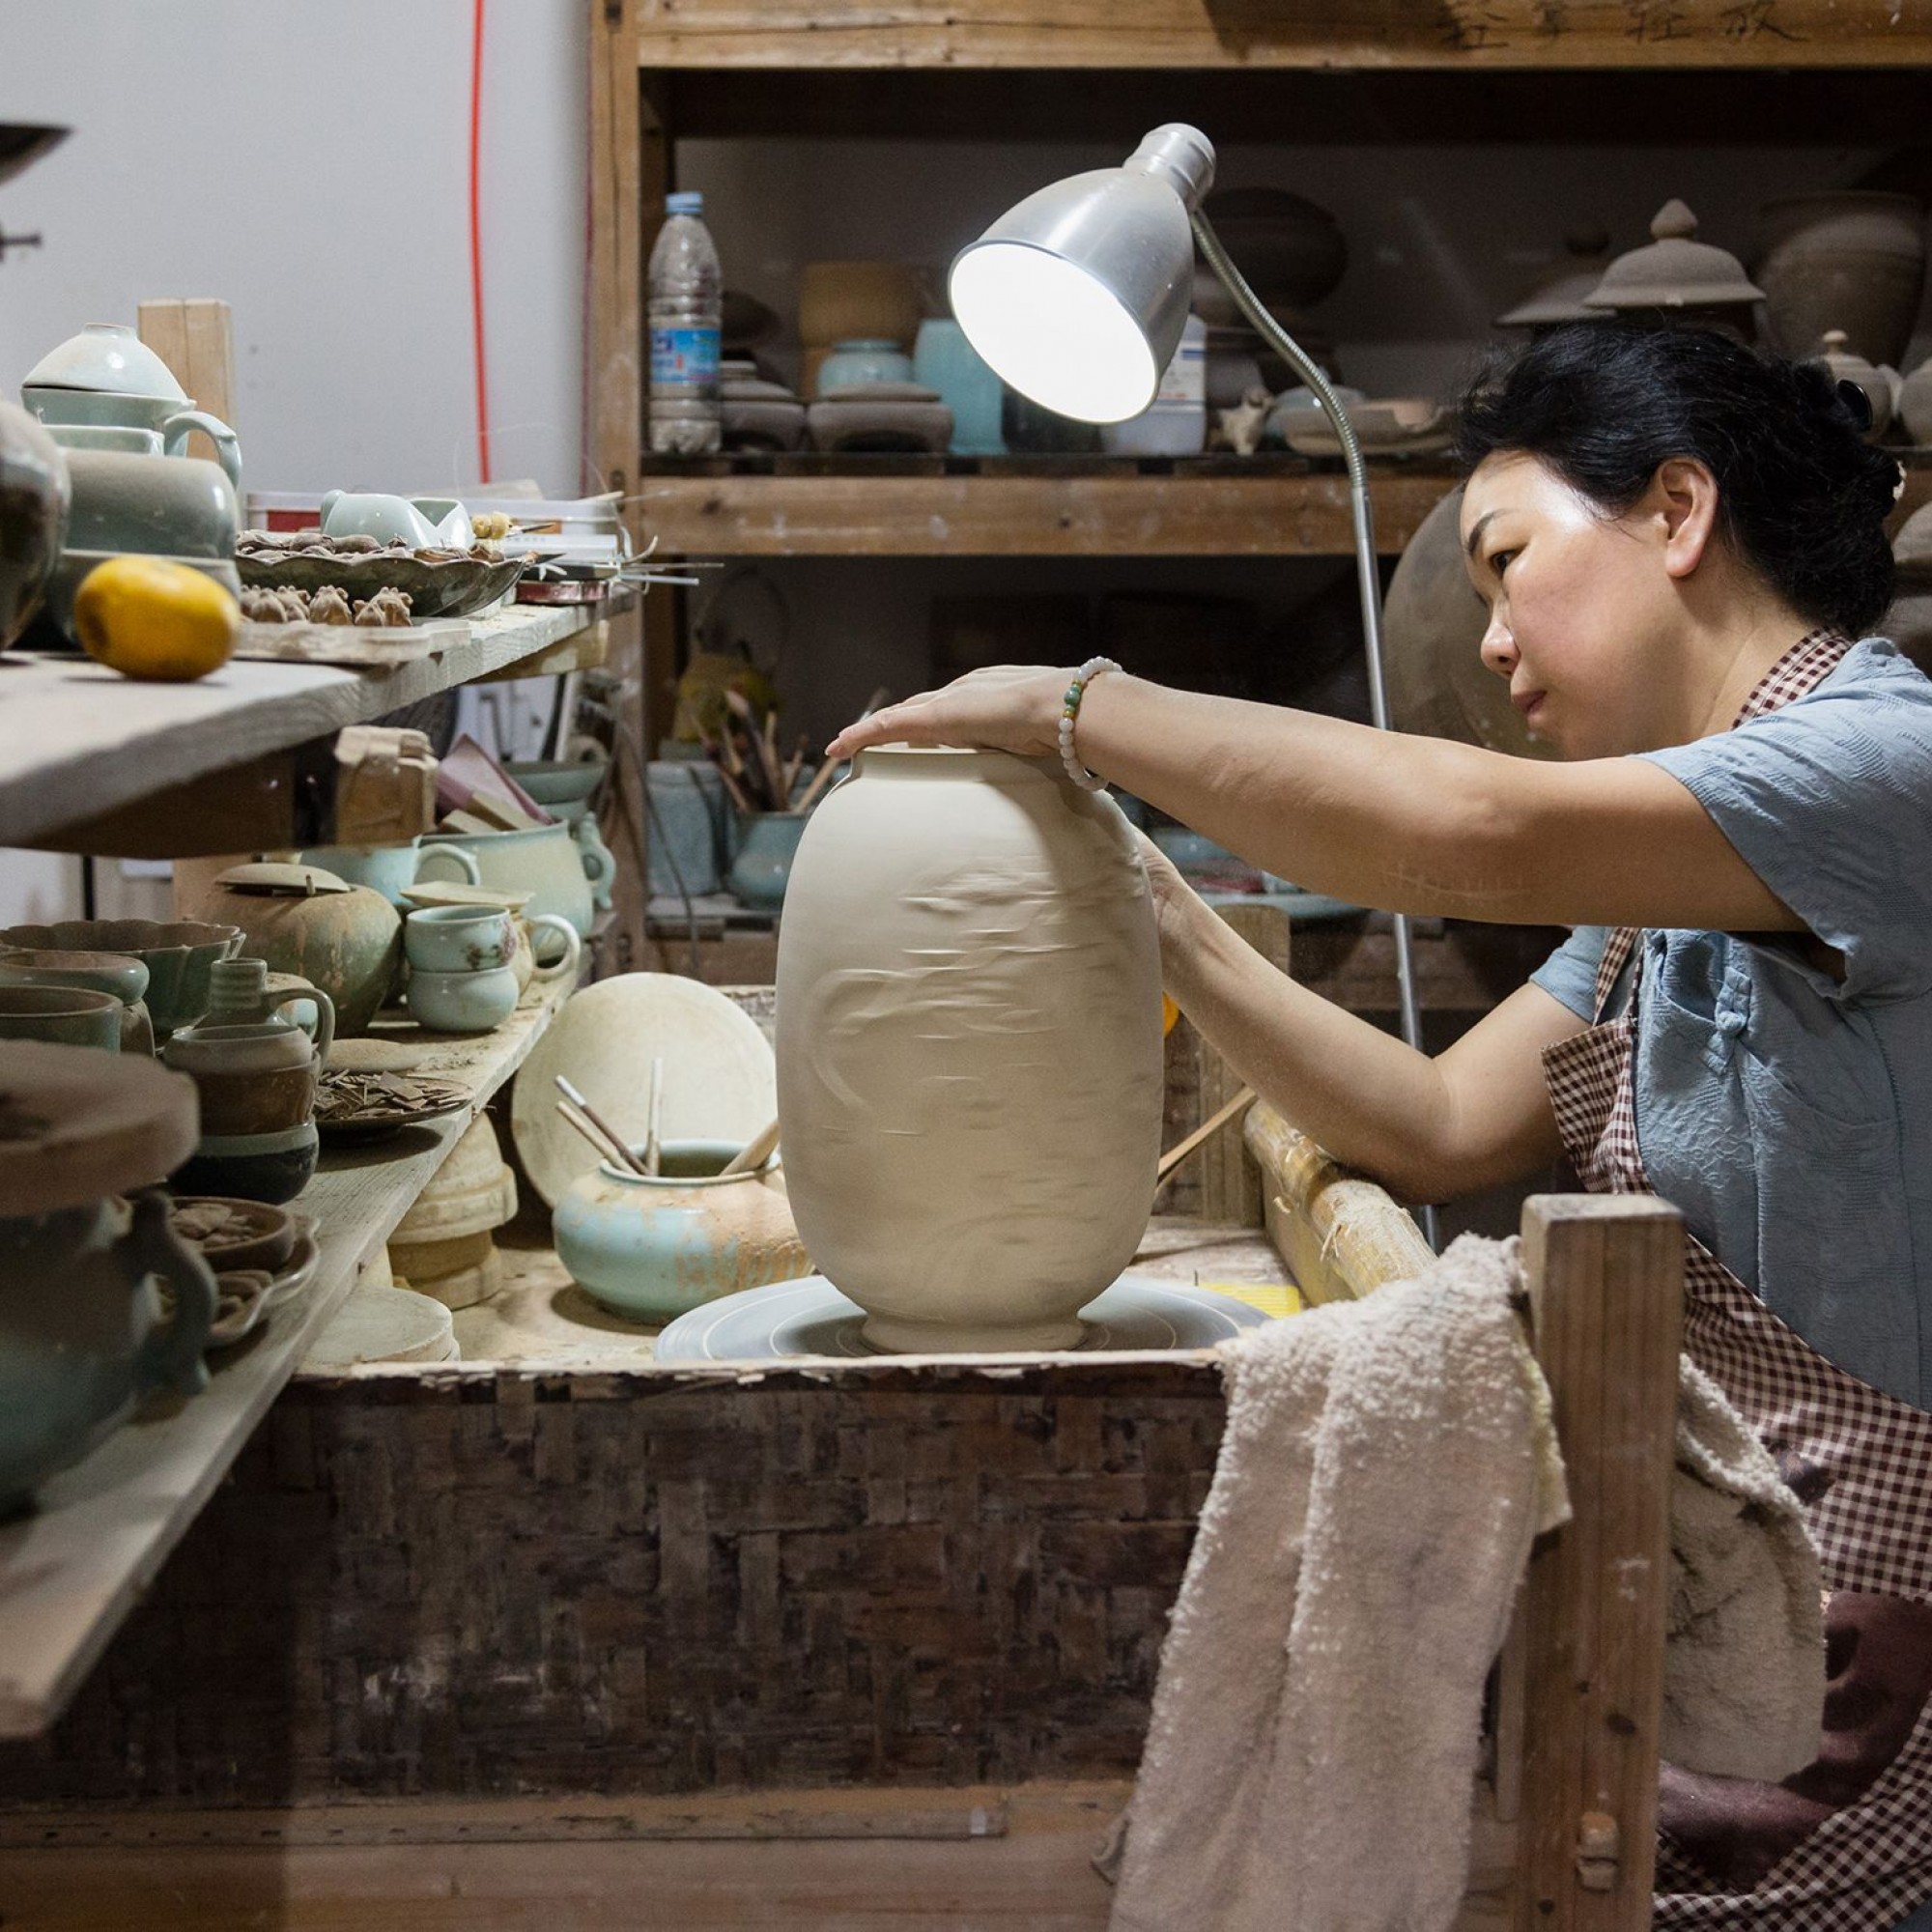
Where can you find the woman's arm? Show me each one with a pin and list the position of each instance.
(1426, 1129)
(1405, 823)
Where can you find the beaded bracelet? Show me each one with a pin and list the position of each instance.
(1077, 690)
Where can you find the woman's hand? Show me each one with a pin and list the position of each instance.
(1005, 708)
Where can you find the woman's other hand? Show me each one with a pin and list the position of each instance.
(1007, 708)
(1175, 903)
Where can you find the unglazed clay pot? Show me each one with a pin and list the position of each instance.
(348, 940)
(969, 1048)
(652, 1247)
(1852, 259)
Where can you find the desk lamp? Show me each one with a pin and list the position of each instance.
(1077, 296)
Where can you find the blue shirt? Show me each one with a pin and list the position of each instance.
(1789, 1114)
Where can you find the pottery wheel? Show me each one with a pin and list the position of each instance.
(77, 1124)
(810, 1317)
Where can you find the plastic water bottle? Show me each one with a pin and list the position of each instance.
(685, 294)
(1175, 422)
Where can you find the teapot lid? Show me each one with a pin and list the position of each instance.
(1674, 271)
(275, 875)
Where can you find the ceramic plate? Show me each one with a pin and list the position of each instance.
(720, 1084)
(450, 589)
(1380, 428)
(811, 1318)
(377, 1120)
(299, 1271)
(245, 1295)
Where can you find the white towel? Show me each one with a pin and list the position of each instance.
(1317, 1717)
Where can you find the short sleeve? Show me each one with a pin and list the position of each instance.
(1570, 973)
(1828, 801)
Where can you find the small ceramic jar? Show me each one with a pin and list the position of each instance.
(652, 1248)
(862, 359)
(115, 972)
(459, 939)
(761, 865)
(463, 1001)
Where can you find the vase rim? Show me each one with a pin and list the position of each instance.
(907, 760)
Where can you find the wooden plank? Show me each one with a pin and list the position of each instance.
(1231, 1188)
(613, 433)
(1030, 516)
(81, 741)
(70, 1570)
(1607, 1278)
(1648, 107)
(1036, 1875)
(362, 647)
(1476, 34)
(195, 338)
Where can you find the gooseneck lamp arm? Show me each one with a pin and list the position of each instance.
(1368, 579)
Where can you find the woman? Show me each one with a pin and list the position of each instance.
(1678, 542)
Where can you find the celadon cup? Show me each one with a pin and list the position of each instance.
(65, 1015)
(463, 1001)
(459, 939)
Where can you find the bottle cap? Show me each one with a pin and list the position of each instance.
(688, 203)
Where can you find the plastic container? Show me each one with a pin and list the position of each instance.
(1175, 422)
(685, 292)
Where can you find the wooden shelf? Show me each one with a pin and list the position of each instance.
(70, 1570)
(1207, 509)
(81, 742)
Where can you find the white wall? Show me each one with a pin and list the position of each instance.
(309, 165)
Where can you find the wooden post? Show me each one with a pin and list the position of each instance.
(194, 335)
(1606, 1274)
(1230, 1191)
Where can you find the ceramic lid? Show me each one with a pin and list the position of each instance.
(1558, 295)
(106, 356)
(77, 1124)
(274, 875)
(455, 893)
(1675, 270)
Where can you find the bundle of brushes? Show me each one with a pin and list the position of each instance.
(757, 776)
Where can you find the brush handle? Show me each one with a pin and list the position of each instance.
(755, 1153)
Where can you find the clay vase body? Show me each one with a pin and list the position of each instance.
(1853, 260)
(652, 1248)
(81, 1335)
(969, 1048)
(255, 1072)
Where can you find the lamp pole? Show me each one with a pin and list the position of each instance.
(1367, 580)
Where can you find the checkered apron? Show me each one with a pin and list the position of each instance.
(1848, 1845)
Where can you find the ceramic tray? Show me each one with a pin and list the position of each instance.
(1383, 429)
(452, 589)
(810, 1317)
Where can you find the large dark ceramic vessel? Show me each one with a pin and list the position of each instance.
(33, 498)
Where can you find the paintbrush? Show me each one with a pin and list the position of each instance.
(654, 1119)
(594, 1135)
(754, 1155)
(602, 1127)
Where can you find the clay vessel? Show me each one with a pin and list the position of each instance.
(564, 876)
(1880, 386)
(969, 1048)
(118, 973)
(255, 1071)
(1433, 626)
(652, 1248)
(347, 940)
(1915, 403)
(1853, 260)
(178, 953)
(34, 502)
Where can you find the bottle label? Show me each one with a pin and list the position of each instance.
(1185, 379)
(684, 359)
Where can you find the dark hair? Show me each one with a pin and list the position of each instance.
(1802, 497)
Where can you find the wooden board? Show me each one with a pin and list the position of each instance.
(362, 645)
(195, 338)
(1458, 34)
(1181, 514)
(81, 741)
(71, 1571)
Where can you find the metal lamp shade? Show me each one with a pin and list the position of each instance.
(1077, 295)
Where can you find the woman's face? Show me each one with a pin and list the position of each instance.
(1582, 609)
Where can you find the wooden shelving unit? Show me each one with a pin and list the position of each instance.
(92, 762)
(72, 1569)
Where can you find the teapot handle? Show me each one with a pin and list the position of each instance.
(573, 946)
(170, 1356)
(459, 856)
(324, 1024)
(600, 868)
(227, 450)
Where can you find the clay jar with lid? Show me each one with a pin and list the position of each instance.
(347, 940)
(969, 1048)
